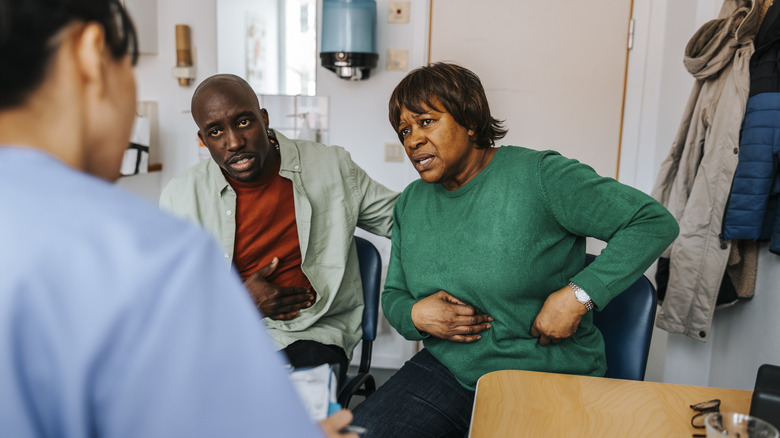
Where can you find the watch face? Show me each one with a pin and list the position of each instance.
(581, 296)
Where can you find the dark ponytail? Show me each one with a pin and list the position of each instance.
(28, 39)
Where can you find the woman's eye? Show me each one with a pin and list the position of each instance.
(244, 123)
(425, 122)
(404, 132)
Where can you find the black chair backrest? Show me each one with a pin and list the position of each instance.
(626, 324)
(765, 403)
(370, 274)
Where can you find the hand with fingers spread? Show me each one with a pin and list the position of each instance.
(444, 316)
(276, 302)
(559, 318)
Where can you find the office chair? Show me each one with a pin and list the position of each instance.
(765, 403)
(626, 324)
(370, 273)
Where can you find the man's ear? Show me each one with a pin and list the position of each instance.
(200, 139)
(264, 114)
(90, 45)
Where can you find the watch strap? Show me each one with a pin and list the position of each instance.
(582, 296)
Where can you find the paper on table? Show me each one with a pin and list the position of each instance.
(317, 389)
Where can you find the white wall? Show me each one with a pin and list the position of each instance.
(231, 45)
(657, 88)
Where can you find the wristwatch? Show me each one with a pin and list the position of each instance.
(582, 296)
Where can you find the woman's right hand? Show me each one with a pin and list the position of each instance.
(444, 316)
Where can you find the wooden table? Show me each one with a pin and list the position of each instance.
(525, 403)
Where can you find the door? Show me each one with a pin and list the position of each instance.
(554, 70)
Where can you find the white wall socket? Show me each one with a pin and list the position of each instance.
(397, 59)
(394, 152)
(398, 12)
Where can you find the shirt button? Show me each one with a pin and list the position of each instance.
(297, 167)
(228, 212)
(736, 151)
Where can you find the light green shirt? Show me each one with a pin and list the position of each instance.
(332, 197)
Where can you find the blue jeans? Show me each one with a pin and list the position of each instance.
(423, 399)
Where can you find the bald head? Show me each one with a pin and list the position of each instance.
(219, 83)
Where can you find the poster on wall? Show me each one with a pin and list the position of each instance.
(256, 50)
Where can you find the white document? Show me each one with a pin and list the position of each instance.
(317, 389)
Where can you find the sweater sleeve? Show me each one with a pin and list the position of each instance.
(636, 228)
(397, 301)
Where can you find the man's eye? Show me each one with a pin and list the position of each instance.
(244, 123)
(215, 132)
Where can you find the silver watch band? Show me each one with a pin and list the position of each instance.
(582, 296)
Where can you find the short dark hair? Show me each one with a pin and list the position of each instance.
(27, 39)
(455, 88)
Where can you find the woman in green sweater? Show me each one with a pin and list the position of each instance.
(488, 254)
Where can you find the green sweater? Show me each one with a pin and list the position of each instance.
(507, 239)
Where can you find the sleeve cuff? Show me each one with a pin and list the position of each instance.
(598, 292)
(406, 326)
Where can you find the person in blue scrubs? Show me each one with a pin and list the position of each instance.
(116, 320)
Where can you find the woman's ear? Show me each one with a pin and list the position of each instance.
(90, 46)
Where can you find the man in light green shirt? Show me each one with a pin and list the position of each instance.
(310, 293)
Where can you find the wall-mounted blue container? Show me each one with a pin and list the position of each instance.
(349, 38)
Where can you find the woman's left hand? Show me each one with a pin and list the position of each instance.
(559, 317)
(444, 316)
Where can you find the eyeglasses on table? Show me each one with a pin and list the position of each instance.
(702, 409)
